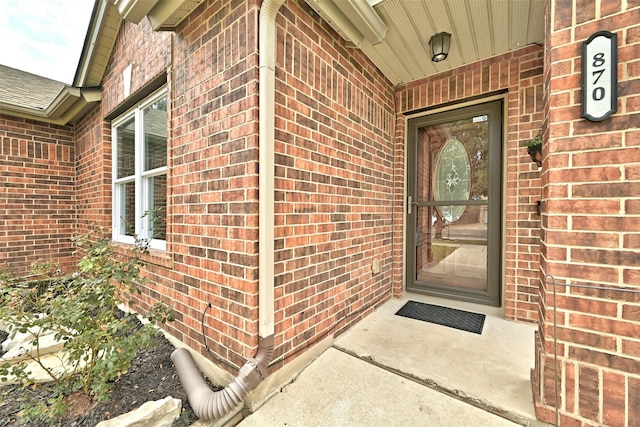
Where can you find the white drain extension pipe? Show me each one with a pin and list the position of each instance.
(207, 404)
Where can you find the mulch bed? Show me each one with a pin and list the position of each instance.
(152, 376)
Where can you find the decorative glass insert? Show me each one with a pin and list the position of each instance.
(452, 179)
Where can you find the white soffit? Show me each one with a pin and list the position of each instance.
(101, 36)
(480, 29)
(163, 14)
(167, 14)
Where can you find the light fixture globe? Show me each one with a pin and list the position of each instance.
(440, 44)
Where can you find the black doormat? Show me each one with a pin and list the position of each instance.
(451, 317)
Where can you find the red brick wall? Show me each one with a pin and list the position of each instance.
(213, 178)
(519, 73)
(93, 172)
(37, 176)
(334, 182)
(148, 53)
(334, 176)
(591, 224)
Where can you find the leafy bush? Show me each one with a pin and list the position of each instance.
(82, 310)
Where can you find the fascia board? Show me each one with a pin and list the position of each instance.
(167, 14)
(100, 39)
(364, 18)
(68, 107)
(328, 10)
(65, 99)
(134, 10)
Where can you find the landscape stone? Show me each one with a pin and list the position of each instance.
(22, 344)
(56, 362)
(159, 413)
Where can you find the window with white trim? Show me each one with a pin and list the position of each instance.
(140, 173)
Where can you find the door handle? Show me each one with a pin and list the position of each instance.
(410, 203)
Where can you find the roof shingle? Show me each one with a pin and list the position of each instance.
(27, 90)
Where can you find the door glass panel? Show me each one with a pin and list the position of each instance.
(452, 205)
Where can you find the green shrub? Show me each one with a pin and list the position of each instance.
(83, 312)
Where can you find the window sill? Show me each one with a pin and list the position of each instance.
(153, 256)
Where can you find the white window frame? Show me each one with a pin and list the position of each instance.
(141, 178)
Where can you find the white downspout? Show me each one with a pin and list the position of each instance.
(267, 52)
(207, 404)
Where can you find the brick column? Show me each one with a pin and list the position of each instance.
(590, 225)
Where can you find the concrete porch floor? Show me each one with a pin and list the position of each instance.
(491, 370)
(402, 371)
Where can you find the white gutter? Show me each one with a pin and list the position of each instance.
(328, 10)
(364, 18)
(134, 10)
(67, 107)
(355, 20)
(207, 404)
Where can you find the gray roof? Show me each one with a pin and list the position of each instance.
(27, 90)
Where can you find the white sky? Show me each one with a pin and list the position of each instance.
(44, 37)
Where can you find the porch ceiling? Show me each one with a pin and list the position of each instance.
(480, 29)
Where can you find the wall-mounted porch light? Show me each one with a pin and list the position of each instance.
(440, 44)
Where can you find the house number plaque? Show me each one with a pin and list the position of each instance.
(599, 76)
